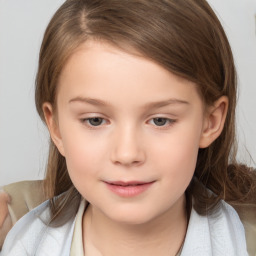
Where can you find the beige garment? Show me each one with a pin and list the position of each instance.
(77, 241)
(25, 196)
(29, 194)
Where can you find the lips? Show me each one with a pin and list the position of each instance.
(129, 183)
(128, 189)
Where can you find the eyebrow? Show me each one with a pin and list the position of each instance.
(157, 104)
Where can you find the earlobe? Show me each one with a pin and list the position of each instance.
(53, 126)
(214, 122)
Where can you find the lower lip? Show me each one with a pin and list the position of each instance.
(129, 191)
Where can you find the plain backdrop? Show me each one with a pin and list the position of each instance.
(23, 137)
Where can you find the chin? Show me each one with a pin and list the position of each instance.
(131, 216)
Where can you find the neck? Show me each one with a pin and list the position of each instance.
(163, 235)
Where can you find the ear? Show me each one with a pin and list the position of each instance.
(53, 126)
(214, 121)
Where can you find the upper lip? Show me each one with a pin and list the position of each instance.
(128, 183)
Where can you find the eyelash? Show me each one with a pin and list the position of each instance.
(168, 122)
(87, 120)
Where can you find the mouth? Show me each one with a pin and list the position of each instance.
(129, 183)
(128, 189)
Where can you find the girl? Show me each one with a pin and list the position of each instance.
(139, 98)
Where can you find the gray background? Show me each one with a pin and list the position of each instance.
(23, 138)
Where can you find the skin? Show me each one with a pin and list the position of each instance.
(149, 127)
(5, 219)
(4, 201)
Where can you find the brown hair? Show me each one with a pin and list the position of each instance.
(186, 38)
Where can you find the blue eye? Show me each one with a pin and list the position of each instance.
(94, 121)
(161, 121)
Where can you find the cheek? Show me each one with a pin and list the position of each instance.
(83, 164)
(177, 154)
(83, 153)
(178, 168)
(179, 162)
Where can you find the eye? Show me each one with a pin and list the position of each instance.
(161, 121)
(94, 121)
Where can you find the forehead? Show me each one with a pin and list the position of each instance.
(98, 69)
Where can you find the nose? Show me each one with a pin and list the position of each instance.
(127, 148)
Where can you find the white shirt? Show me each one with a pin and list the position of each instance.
(219, 234)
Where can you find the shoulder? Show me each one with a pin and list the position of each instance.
(16, 200)
(226, 218)
(32, 235)
(227, 228)
(247, 214)
(218, 233)
(23, 230)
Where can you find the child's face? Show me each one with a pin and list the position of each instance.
(124, 120)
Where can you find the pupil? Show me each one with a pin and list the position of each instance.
(95, 121)
(160, 121)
